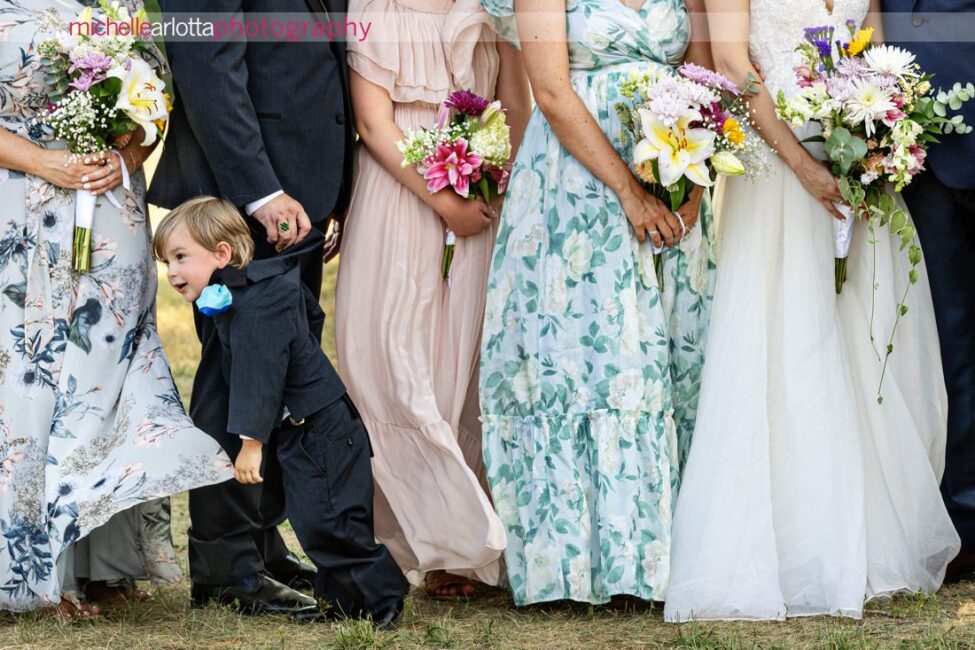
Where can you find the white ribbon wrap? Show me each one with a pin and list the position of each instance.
(84, 209)
(843, 232)
(84, 203)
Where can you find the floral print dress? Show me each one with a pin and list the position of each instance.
(90, 420)
(590, 373)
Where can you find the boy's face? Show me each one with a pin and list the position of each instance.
(190, 265)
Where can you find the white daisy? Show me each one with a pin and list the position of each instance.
(887, 59)
(870, 102)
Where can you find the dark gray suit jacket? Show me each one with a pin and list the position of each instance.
(263, 354)
(252, 118)
(941, 33)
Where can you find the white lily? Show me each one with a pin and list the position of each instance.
(679, 149)
(142, 97)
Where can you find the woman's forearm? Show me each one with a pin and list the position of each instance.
(875, 20)
(134, 155)
(379, 133)
(514, 92)
(581, 135)
(776, 133)
(699, 50)
(18, 154)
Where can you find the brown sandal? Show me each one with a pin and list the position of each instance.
(440, 585)
(78, 611)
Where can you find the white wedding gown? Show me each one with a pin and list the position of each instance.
(802, 495)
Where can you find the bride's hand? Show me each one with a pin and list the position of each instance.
(649, 216)
(821, 185)
(690, 212)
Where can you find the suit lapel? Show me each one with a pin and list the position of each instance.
(319, 8)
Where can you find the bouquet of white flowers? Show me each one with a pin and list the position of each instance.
(103, 89)
(878, 112)
(687, 127)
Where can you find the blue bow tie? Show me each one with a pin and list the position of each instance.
(214, 300)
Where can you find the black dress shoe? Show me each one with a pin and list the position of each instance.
(388, 619)
(292, 572)
(385, 620)
(256, 595)
(962, 568)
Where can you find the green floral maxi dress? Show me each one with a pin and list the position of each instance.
(91, 423)
(589, 373)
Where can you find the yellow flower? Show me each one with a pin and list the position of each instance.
(645, 171)
(860, 41)
(732, 131)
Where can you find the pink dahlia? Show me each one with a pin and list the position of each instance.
(467, 103)
(452, 165)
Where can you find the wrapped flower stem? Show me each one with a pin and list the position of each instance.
(84, 215)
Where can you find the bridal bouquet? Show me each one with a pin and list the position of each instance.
(103, 88)
(687, 128)
(878, 112)
(468, 153)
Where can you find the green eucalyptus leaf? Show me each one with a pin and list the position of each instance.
(914, 255)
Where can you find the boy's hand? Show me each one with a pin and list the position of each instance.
(247, 469)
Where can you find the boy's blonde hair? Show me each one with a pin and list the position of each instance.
(209, 221)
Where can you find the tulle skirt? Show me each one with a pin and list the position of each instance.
(803, 495)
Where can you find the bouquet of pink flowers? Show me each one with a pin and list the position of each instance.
(878, 113)
(104, 88)
(687, 128)
(468, 153)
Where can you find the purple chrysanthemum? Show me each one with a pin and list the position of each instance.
(708, 78)
(93, 68)
(467, 103)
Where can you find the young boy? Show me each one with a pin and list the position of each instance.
(284, 397)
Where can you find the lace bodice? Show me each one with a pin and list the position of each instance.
(777, 28)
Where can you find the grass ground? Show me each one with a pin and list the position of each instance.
(944, 622)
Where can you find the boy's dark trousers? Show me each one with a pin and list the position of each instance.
(325, 470)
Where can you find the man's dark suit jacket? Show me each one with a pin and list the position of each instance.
(262, 354)
(252, 118)
(940, 33)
